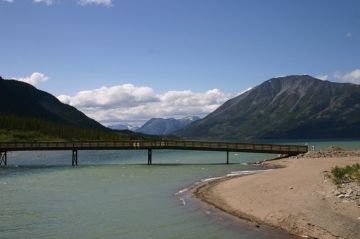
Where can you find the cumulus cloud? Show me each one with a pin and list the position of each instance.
(47, 2)
(132, 104)
(322, 77)
(107, 3)
(351, 77)
(34, 79)
(126, 95)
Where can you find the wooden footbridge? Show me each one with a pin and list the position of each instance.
(148, 145)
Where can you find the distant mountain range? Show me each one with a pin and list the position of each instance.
(123, 127)
(160, 126)
(290, 107)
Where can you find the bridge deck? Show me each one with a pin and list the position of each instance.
(152, 144)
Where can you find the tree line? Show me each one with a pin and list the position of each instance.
(23, 126)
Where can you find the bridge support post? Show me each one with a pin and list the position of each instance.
(227, 157)
(74, 161)
(3, 158)
(149, 156)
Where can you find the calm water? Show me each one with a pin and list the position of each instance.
(113, 195)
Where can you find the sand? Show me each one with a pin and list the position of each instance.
(298, 197)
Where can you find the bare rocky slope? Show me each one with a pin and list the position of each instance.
(160, 126)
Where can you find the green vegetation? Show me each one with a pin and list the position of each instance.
(15, 128)
(291, 107)
(25, 101)
(346, 174)
(29, 114)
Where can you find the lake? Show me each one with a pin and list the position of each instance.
(114, 194)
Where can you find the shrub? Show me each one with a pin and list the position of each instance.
(346, 174)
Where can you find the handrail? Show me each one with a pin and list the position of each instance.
(157, 144)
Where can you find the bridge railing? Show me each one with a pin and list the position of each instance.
(159, 144)
(238, 146)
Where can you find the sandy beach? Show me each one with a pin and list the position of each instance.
(298, 197)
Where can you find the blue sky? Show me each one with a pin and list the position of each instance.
(174, 46)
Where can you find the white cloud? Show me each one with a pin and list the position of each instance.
(132, 104)
(349, 34)
(107, 3)
(352, 77)
(34, 79)
(126, 95)
(322, 77)
(47, 2)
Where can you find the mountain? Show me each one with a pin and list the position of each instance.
(118, 127)
(23, 100)
(159, 126)
(291, 107)
(28, 114)
(123, 127)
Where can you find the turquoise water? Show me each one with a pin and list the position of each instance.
(112, 194)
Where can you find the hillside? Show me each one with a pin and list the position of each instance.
(160, 126)
(290, 107)
(22, 99)
(27, 113)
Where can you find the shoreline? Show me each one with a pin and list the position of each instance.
(305, 204)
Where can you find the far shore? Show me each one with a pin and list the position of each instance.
(298, 196)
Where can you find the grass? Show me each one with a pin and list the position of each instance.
(349, 173)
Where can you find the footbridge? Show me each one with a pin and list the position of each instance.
(148, 145)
